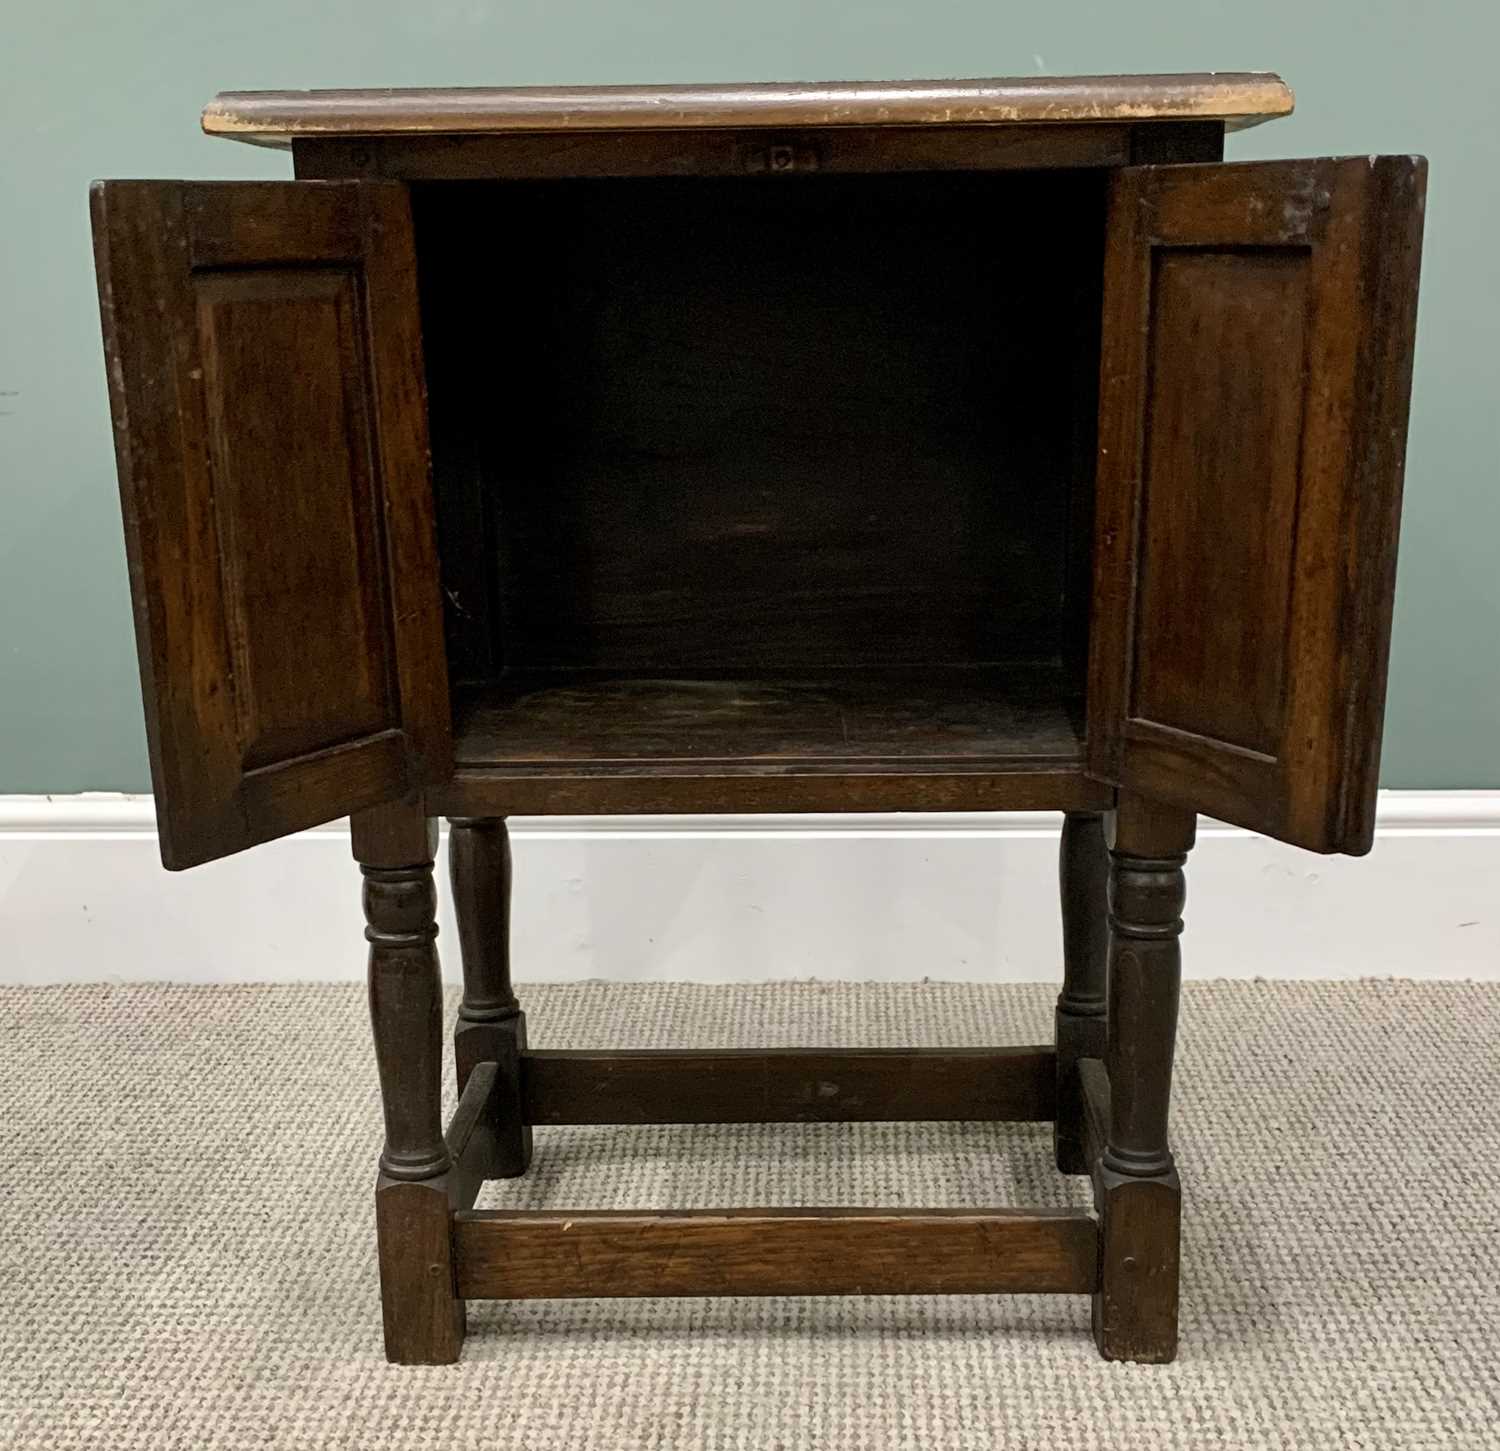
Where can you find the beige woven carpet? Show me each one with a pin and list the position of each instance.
(186, 1242)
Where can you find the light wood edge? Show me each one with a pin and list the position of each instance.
(274, 118)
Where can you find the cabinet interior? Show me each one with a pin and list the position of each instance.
(764, 472)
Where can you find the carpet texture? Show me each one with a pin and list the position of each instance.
(187, 1245)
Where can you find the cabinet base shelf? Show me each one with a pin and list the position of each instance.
(1000, 737)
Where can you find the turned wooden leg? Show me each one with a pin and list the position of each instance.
(1138, 1194)
(424, 1318)
(1083, 876)
(491, 1026)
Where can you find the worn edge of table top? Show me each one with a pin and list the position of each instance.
(274, 118)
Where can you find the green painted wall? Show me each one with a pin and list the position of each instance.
(89, 90)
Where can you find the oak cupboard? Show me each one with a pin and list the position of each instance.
(953, 445)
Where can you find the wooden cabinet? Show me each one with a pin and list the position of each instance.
(953, 445)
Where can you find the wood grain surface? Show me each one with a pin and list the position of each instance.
(543, 1255)
(274, 117)
(1256, 373)
(787, 1085)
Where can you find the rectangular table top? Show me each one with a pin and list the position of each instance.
(274, 118)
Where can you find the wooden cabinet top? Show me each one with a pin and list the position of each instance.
(274, 118)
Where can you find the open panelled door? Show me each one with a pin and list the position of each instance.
(1255, 372)
(265, 375)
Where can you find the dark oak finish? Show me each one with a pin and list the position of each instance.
(723, 539)
(999, 719)
(491, 1026)
(787, 1085)
(1140, 1227)
(523, 1256)
(1093, 1083)
(471, 1138)
(1146, 893)
(904, 446)
(421, 1310)
(1138, 1194)
(395, 846)
(570, 791)
(1081, 1017)
(273, 118)
(1167, 142)
(266, 381)
(796, 153)
(1256, 371)
(714, 464)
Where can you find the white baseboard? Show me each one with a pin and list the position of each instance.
(726, 899)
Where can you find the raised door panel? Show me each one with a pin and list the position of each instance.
(266, 381)
(1256, 368)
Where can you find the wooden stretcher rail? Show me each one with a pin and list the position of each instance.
(471, 1135)
(794, 1085)
(527, 1256)
(1094, 1077)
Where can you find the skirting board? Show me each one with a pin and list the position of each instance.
(83, 897)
